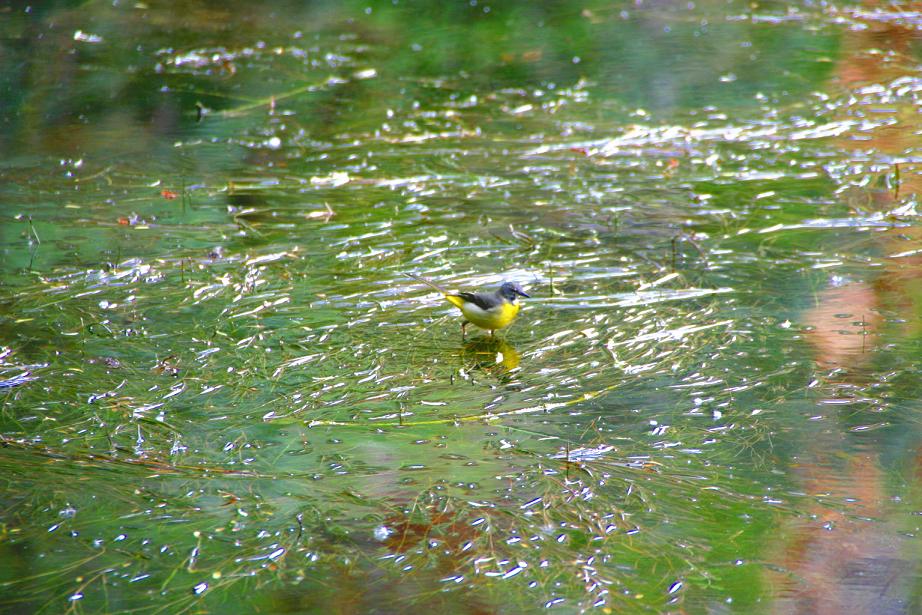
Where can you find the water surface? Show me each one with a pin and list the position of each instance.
(220, 389)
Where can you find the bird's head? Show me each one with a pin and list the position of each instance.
(511, 291)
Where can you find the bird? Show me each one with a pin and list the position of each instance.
(489, 311)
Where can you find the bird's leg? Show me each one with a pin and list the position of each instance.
(491, 333)
(463, 333)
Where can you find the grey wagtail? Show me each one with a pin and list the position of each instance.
(490, 311)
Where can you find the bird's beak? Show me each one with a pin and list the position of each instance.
(523, 293)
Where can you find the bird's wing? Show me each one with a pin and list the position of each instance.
(484, 301)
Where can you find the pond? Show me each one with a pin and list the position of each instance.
(221, 389)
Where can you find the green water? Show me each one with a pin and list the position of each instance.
(221, 392)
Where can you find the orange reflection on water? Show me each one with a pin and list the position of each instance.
(842, 557)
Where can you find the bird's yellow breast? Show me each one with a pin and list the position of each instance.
(497, 317)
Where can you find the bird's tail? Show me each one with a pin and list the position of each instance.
(420, 278)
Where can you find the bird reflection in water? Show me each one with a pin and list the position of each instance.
(493, 355)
